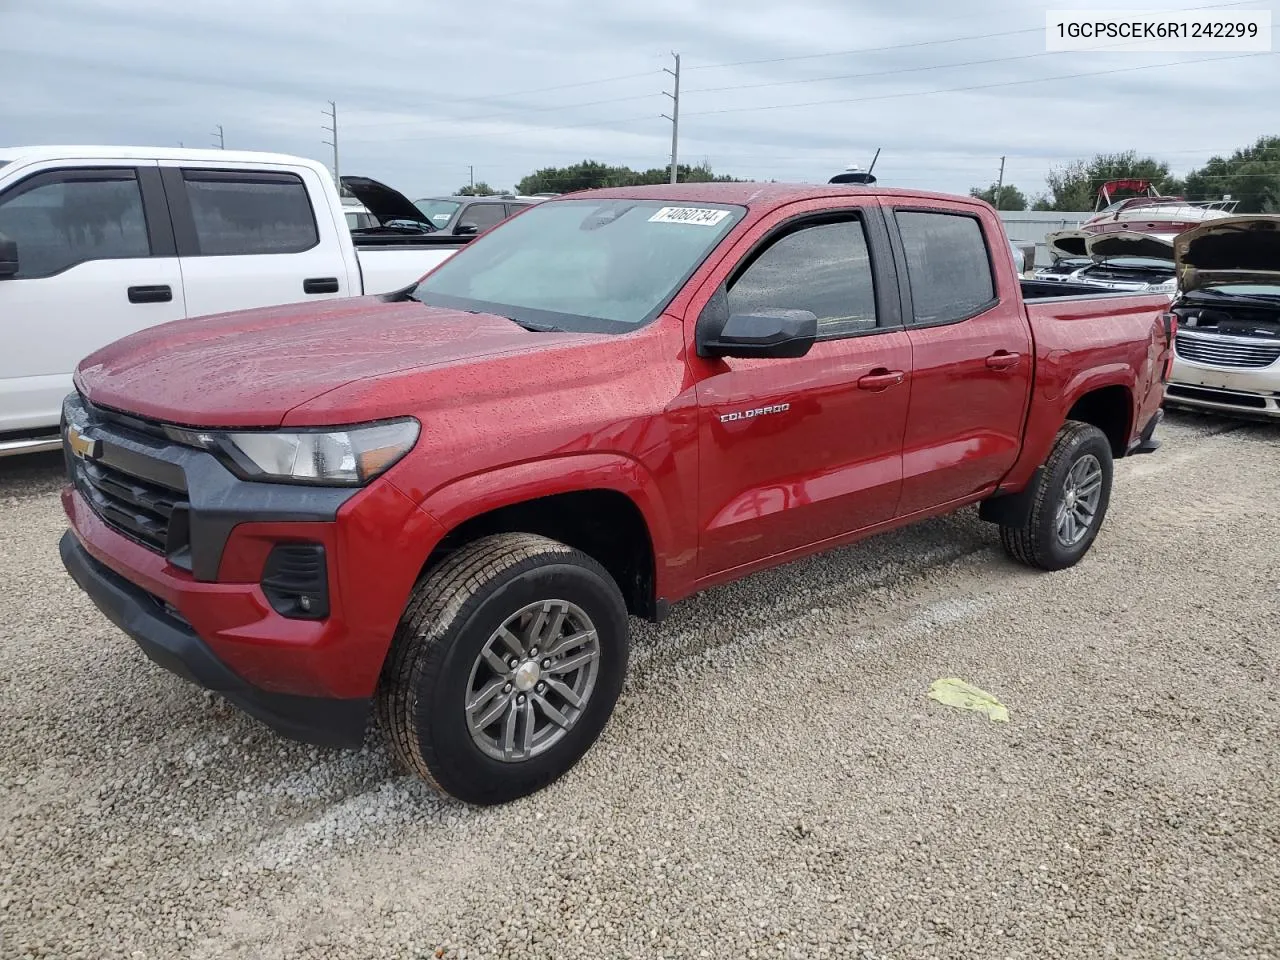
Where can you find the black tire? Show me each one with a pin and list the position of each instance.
(453, 612)
(1037, 543)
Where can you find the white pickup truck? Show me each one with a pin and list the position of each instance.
(99, 242)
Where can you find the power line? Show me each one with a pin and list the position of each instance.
(630, 76)
(846, 53)
(522, 93)
(980, 86)
(518, 113)
(899, 70)
(560, 126)
(919, 43)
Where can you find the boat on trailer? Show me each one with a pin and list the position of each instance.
(1149, 213)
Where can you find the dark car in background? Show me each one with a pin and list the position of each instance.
(460, 216)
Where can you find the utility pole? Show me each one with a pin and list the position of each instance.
(472, 168)
(332, 114)
(1000, 184)
(222, 143)
(675, 116)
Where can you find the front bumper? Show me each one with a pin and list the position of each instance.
(1236, 391)
(174, 549)
(172, 643)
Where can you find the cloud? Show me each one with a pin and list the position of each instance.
(427, 91)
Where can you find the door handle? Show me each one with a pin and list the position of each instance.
(160, 293)
(320, 285)
(881, 379)
(1004, 360)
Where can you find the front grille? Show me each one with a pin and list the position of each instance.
(1226, 351)
(1209, 395)
(140, 509)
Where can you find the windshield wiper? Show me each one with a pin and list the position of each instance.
(534, 327)
(1259, 299)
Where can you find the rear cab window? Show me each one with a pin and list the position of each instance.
(948, 265)
(249, 213)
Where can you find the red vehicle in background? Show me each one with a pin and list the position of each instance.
(440, 506)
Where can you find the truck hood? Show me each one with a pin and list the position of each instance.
(384, 202)
(1066, 243)
(1125, 243)
(250, 368)
(1229, 250)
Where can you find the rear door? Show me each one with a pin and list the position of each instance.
(971, 354)
(797, 451)
(251, 237)
(96, 262)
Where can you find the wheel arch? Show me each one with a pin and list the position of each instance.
(600, 504)
(1109, 407)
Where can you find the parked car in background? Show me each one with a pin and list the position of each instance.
(1128, 273)
(1227, 351)
(358, 215)
(468, 216)
(102, 241)
(440, 507)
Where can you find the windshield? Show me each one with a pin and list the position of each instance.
(437, 211)
(587, 265)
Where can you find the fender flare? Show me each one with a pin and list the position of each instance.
(468, 497)
(1023, 471)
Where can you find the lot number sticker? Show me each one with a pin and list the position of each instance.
(703, 216)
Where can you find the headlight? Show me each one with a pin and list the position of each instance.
(343, 456)
(1169, 286)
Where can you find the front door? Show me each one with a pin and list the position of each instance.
(971, 357)
(798, 451)
(95, 263)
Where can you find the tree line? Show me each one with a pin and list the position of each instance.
(1251, 175)
(591, 175)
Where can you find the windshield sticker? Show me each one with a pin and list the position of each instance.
(703, 216)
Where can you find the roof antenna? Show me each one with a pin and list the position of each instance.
(855, 174)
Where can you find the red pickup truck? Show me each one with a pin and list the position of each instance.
(439, 506)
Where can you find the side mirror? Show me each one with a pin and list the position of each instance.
(8, 258)
(466, 230)
(777, 334)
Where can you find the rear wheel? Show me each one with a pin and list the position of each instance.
(505, 668)
(1069, 502)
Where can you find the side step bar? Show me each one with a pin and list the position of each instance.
(13, 448)
(1147, 443)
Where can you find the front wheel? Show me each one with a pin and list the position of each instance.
(505, 668)
(1068, 503)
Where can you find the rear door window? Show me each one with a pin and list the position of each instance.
(947, 264)
(69, 217)
(250, 214)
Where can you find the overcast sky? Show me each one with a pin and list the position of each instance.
(426, 88)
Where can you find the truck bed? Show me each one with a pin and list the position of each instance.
(1036, 290)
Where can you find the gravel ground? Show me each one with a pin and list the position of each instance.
(774, 783)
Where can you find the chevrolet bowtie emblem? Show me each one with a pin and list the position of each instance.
(83, 445)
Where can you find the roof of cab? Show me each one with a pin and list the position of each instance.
(760, 194)
(99, 152)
